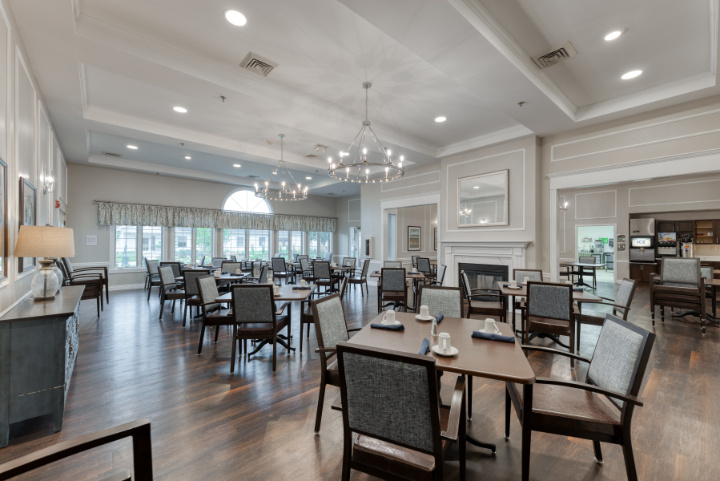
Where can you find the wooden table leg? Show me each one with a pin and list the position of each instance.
(526, 430)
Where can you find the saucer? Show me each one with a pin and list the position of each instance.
(424, 319)
(386, 323)
(453, 351)
(516, 287)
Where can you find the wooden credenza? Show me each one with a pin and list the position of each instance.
(38, 347)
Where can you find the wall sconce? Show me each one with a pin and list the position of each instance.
(564, 206)
(49, 185)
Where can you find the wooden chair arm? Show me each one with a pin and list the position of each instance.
(456, 410)
(617, 306)
(330, 350)
(589, 387)
(281, 308)
(355, 329)
(526, 347)
(88, 275)
(81, 269)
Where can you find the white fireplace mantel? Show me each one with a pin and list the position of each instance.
(506, 253)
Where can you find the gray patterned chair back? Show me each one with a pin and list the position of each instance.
(278, 264)
(68, 265)
(202, 262)
(423, 265)
(549, 300)
(587, 260)
(321, 269)
(217, 261)
(231, 267)
(253, 303)
(392, 279)
(175, 266)
(190, 276)
(233, 258)
(406, 385)
(534, 275)
(304, 263)
(392, 264)
(706, 272)
(681, 272)
(330, 326)
(447, 300)
(152, 266)
(440, 276)
(302, 256)
(349, 262)
(620, 357)
(625, 293)
(207, 287)
(262, 279)
(366, 267)
(167, 278)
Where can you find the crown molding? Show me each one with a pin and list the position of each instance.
(496, 137)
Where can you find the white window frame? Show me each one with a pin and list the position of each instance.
(170, 251)
(141, 260)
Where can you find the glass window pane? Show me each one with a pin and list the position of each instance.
(183, 244)
(258, 244)
(246, 201)
(152, 242)
(234, 243)
(323, 244)
(312, 244)
(126, 246)
(296, 243)
(283, 244)
(203, 244)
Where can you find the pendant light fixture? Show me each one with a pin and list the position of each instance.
(289, 189)
(366, 160)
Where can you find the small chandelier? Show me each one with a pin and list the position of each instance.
(289, 189)
(366, 160)
(464, 212)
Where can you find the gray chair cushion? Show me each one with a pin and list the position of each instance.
(393, 280)
(208, 293)
(622, 298)
(613, 361)
(190, 276)
(534, 276)
(253, 304)
(166, 275)
(547, 300)
(445, 300)
(332, 322)
(681, 271)
(392, 264)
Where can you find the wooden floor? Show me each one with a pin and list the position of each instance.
(210, 425)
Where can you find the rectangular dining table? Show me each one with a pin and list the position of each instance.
(580, 273)
(502, 361)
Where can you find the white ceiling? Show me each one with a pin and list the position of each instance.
(110, 72)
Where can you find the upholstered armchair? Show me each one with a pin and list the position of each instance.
(550, 311)
(680, 285)
(445, 300)
(620, 307)
(485, 302)
(392, 288)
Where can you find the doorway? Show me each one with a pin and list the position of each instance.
(597, 241)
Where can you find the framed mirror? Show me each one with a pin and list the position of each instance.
(483, 199)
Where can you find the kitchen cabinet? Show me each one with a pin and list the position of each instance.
(679, 226)
(707, 232)
(641, 271)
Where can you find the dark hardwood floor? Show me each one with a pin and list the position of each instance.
(210, 425)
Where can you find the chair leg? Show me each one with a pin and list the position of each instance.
(321, 400)
(217, 333)
(232, 354)
(202, 336)
(629, 460)
(149, 291)
(598, 452)
(301, 338)
(162, 306)
(185, 314)
(274, 341)
(98, 300)
(469, 397)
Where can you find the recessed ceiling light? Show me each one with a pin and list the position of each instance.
(187, 157)
(476, 187)
(236, 18)
(631, 74)
(613, 35)
(440, 119)
(132, 147)
(237, 166)
(308, 178)
(180, 110)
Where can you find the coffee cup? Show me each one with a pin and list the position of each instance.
(303, 282)
(513, 283)
(444, 343)
(424, 311)
(414, 269)
(526, 280)
(276, 290)
(490, 326)
(217, 273)
(389, 317)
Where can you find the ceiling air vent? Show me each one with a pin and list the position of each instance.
(311, 156)
(551, 58)
(255, 63)
(112, 154)
(252, 176)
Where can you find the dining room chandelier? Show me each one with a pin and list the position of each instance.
(289, 190)
(366, 160)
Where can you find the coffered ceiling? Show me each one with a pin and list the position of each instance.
(111, 72)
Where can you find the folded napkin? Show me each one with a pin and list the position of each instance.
(577, 289)
(395, 327)
(377, 272)
(424, 347)
(225, 273)
(493, 337)
(439, 317)
(301, 288)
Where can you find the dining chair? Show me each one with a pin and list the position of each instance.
(152, 278)
(394, 426)
(392, 288)
(439, 276)
(708, 274)
(680, 286)
(322, 275)
(362, 278)
(176, 269)
(619, 307)
(280, 270)
(307, 270)
(256, 318)
(231, 267)
(191, 290)
(233, 258)
(212, 314)
(482, 301)
(550, 311)
(445, 300)
(413, 261)
(217, 261)
(306, 312)
(92, 282)
(138, 431)
(519, 275)
(584, 271)
(260, 279)
(393, 264)
(100, 272)
(202, 262)
(169, 290)
(423, 265)
(350, 262)
(574, 409)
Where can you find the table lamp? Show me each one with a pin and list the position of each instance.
(48, 242)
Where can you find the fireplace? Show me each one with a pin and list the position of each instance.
(483, 276)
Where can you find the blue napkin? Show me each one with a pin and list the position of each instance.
(224, 273)
(301, 288)
(395, 327)
(493, 337)
(577, 289)
(424, 347)
(439, 317)
(377, 272)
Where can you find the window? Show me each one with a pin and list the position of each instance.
(355, 242)
(296, 243)
(183, 244)
(203, 243)
(258, 244)
(126, 246)
(245, 201)
(152, 242)
(319, 244)
(283, 244)
(234, 243)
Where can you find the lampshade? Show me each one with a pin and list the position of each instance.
(45, 241)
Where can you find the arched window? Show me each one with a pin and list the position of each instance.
(245, 201)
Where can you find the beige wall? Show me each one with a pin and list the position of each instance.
(423, 216)
(29, 147)
(349, 214)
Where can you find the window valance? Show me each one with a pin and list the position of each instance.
(123, 213)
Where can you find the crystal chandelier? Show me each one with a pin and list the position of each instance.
(366, 160)
(289, 189)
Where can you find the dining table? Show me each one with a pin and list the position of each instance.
(222, 278)
(581, 270)
(502, 361)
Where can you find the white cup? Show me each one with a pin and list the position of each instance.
(424, 311)
(414, 269)
(303, 282)
(389, 317)
(238, 271)
(276, 290)
(526, 280)
(490, 326)
(513, 283)
(217, 273)
(444, 342)
(333, 264)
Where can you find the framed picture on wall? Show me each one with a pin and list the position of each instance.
(435, 238)
(3, 219)
(28, 213)
(413, 238)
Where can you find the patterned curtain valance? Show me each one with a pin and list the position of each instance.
(122, 213)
